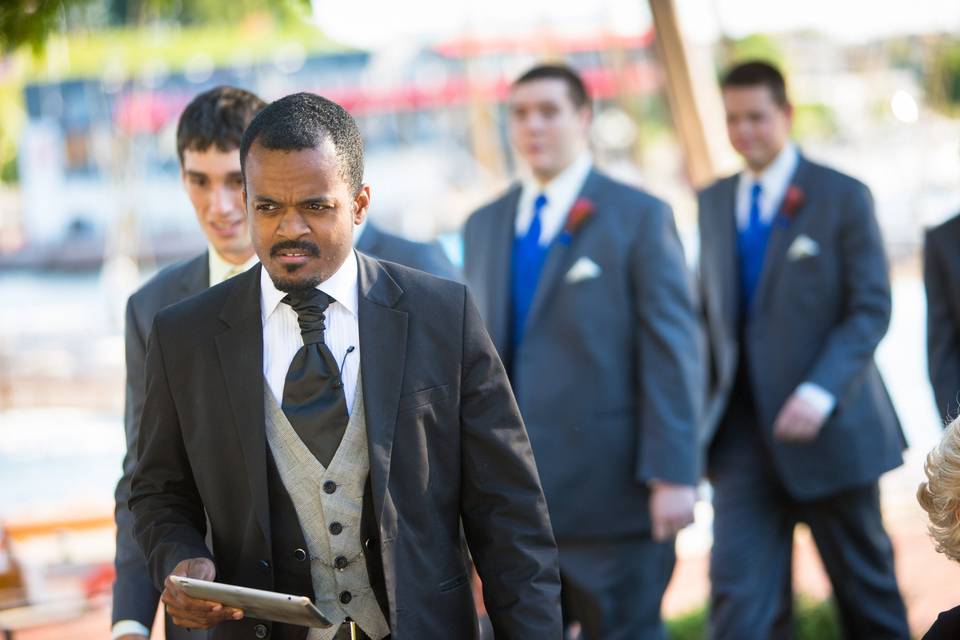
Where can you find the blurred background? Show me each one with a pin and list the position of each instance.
(91, 203)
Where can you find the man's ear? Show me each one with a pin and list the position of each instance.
(361, 204)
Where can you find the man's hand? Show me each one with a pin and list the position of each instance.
(671, 508)
(189, 612)
(798, 421)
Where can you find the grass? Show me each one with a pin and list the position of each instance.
(812, 621)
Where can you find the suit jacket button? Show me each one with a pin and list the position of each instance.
(329, 486)
(260, 631)
(345, 597)
(336, 528)
(341, 563)
(369, 542)
(265, 565)
(300, 555)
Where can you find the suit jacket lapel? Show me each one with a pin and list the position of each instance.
(383, 340)
(558, 257)
(781, 236)
(196, 277)
(498, 265)
(240, 348)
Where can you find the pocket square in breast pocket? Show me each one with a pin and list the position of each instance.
(803, 247)
(583, 269)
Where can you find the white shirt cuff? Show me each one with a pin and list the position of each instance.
(821, 399)
(125, 627)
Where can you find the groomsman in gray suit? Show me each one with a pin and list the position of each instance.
(796, 297)
(941, 275)
(583, 287)
(208, 143)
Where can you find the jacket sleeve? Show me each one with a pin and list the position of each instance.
(134, 596)
(169, 521)
(865, 314)
(669, 354)
(503, 510)
(943, 342)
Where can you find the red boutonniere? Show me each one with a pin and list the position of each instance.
(580, 212)
(792, 201)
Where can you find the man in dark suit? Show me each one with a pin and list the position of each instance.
(796, 296)
(336, 418)
(941, 276)
(208, 139)
(582, 283)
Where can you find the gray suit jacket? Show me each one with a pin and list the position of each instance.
(941, 276)
(426, 257)
(608, 377)
(815, 318)
(446, 443)
(134, 595)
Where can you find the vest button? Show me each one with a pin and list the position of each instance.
(336, 528)
(345, 597)
(341, 563)
(260, 631)
(300, 555)
(329, 486)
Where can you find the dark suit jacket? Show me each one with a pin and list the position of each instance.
(446, 443)
(941, 275)
(608, 375)
(431, 258)
(134, 595)
(815, 318)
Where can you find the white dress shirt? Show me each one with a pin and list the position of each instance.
(561, 193)
(281, 331)
(774, 182)
(221, 270)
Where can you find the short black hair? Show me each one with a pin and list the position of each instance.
(303, 121)
(757, 73)
(216, 118)
(575, 86)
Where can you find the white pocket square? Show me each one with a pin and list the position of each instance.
(803, 247)
(583, 269)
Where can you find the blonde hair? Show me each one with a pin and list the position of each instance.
(940, 494)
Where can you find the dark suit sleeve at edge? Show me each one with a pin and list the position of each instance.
(134, 596)
(169, 520)
(669, 358)
(503, 509)
(943, 343)
(850, 346)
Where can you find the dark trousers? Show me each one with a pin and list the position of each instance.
(613, 588)
(754, 518)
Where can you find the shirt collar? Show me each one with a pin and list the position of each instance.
(342, 286)
(220, 268)
(777, 173)
(565, 185)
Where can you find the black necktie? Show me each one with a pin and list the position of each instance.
(313, 398)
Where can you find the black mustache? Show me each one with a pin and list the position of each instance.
(307, 247)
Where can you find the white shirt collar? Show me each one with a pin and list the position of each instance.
(561, 192)
(774, 181)
(220, 268)
(342, 286)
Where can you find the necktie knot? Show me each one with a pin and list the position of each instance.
(309, 306)
(756, 190)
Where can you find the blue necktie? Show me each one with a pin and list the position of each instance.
(528, 259)
(752, 243)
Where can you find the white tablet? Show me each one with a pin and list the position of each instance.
(265, 605)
